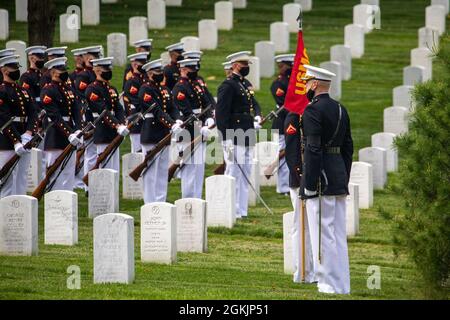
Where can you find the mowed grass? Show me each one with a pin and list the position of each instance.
(245, 262)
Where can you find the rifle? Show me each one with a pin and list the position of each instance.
(177, 164)
(41, 188)
(273, 114)
(34, 142)
(113, 145)
(269, 171)
(137, 172)
(81, 151)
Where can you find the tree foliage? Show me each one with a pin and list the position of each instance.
(425, 176)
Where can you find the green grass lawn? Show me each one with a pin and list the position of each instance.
(245, 262)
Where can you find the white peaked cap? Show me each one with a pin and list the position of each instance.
(56, 51)
(175, 46)
(138, 56)
(55, 63)
(152, 65)
(35, 49)
(318, 73)
(143, 43)
(188, 63)
(192, 54)
(239, 56)
(285, 58)
(12, 59)
(103, 62)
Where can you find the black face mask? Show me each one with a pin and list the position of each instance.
(158, 78)
(107, 75)
(244, 71)
(192, 75)
(64, 76)
(14, 75)
(180, 57)
(288, 72)
(39, 64)
(310, 94)
(140, 69)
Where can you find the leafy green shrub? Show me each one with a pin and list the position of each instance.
(425, 176)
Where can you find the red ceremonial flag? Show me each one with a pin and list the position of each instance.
(296, 100)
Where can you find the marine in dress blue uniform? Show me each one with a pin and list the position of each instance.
(143, 45)
(172, 70)
(16, 103)
(238, 115)
(163, 120)
(52, 53)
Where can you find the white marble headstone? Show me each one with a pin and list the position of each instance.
(18, 226)
(279, 35)
(362, 175)
(190, 43)
(220, 194)
(114, 248)
(306, 4)
(352, 210)
(423, 57)
(131, 189)
(192, 232)
(371, 2)
(223, 14)
(20, 47)
(385, 140)
(363, 15)
(354, 38)
(239, 4)
(159, 233)
(208, 34)
(377, 157)
(117, 48)
(435, 18)
(4, 24)
(413, 75)
(402, 96)
(103, 192)
(66, 34)
(156, 14)
(290, 14)
(267, 154)
(444, 3)
(265, 51)
(395, 120)
(22, 10)
(288, 257)
(137, 29)
(254, 178)
(34, 173)
(428, 38)
(90, 12)
(336, 82)
(61, 217)
(254, 76)
(342, 54)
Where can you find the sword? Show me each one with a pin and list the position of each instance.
(251, 185)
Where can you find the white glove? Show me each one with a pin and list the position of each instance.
(123, 130)
(176, 128)
(257, 125)
(209, 122)
(73, 139)
(310, 193)
(258, 119)
(205, 131)
(228, 148)
(179, 122)
(25, 138)
(19, 149)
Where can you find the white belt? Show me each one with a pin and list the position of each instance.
(197, 111)
(132, 106)
(96, 115)
(20, 119)
(149, 115)
(65, 118)
(38, 99)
